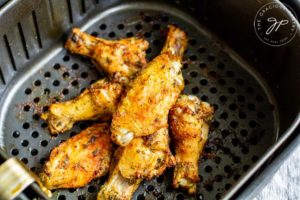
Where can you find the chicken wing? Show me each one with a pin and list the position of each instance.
(144, 158)
(97, 102)
(120, 59)
(189, 122)
(144, 109)
(80, 159)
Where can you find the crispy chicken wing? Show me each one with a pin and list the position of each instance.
(120, 59)
(80, 159)
(144, 158)
(189, 122)
(97, 102)
(144, 109)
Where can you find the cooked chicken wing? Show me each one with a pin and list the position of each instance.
(144, 158)
(120, 59)
(97, 102)
(144, 109)
(189, 122)
(80, 159)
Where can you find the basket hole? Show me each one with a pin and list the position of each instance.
(261, 115)
(65, 91)
(66, 59)
(232, 106)
(42, 161)
(221, 65)
(250, 90)
(202, 65)
(193, 74)
(242, 115)
(44, 143)
(147, 34)
(259, 98)
(72, 190)
(195, 90)
(24, 143)
(138, 27)
(245, 168)
(218, 196)
(201, 50)
(75, 66)
(236, 159)
(227, 186)
(179, 196)
(161, 197)
(81, 197)
(230, 73)
(45, 108)
(66, 74)
(208, 169)
(141, 197)
(204, 98)
(192, 42)
(61, 197)
(224, 115)
(121, 26)
(16, 134)
(208, 187)
(254, 158)
(26, 108)
(213, 90)
(223, 98)
(252, 124)
(26, 125)
(244, 132)
(129, 34)
(234, 124)
(75, 83)
(218, 178)
(225, 133)
(36, 116)
(34, 152)
(231, 90)
(47, 74)
(46, 91)
(36, 100)
(203, 82)
(186, 82)
(222, 81)
(24, 160)
(251, 106)
(215, 124)
(56, 83)
(91, 189)
(240, 81)
(44, 125)
(160, 179)
(156, 27)
(28, 91)
(211, 57)
(150, 188)
(14, 152)
(35, 134)
(95, 34)
(103, 26)
(227, 169)
(37, 83)
(236, 177)
(245, 150)
(241, 98)
(193, 58)
(112, 34)
(57, 66)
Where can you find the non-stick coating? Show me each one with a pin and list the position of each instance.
(244, 126)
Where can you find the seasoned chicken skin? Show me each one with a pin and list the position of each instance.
(80, 159)
(97, 102)
(144, 109)
(144, 158)
(120, 59)
(189, 122)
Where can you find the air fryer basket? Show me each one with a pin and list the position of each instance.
(255, 105)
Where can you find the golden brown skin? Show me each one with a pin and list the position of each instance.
(120, 59)
(97, 102)
(145, 107)
(189, 122)
(144, 158)
(80, 159)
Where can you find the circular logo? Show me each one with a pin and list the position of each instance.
(273, 26)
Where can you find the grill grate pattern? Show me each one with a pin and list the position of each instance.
(243, 127)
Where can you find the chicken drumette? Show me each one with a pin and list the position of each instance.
(144, 109)
(189, 123)
(120, 59)
(144, 158)
(80, 159)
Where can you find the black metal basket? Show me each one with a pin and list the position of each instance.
(253, 86)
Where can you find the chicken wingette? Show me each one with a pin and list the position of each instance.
(80, 159)
(144, 109)
(97, 102)
(144, 158)
(120, 59)
(189, 123)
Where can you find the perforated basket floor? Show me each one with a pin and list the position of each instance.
(242, 130)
